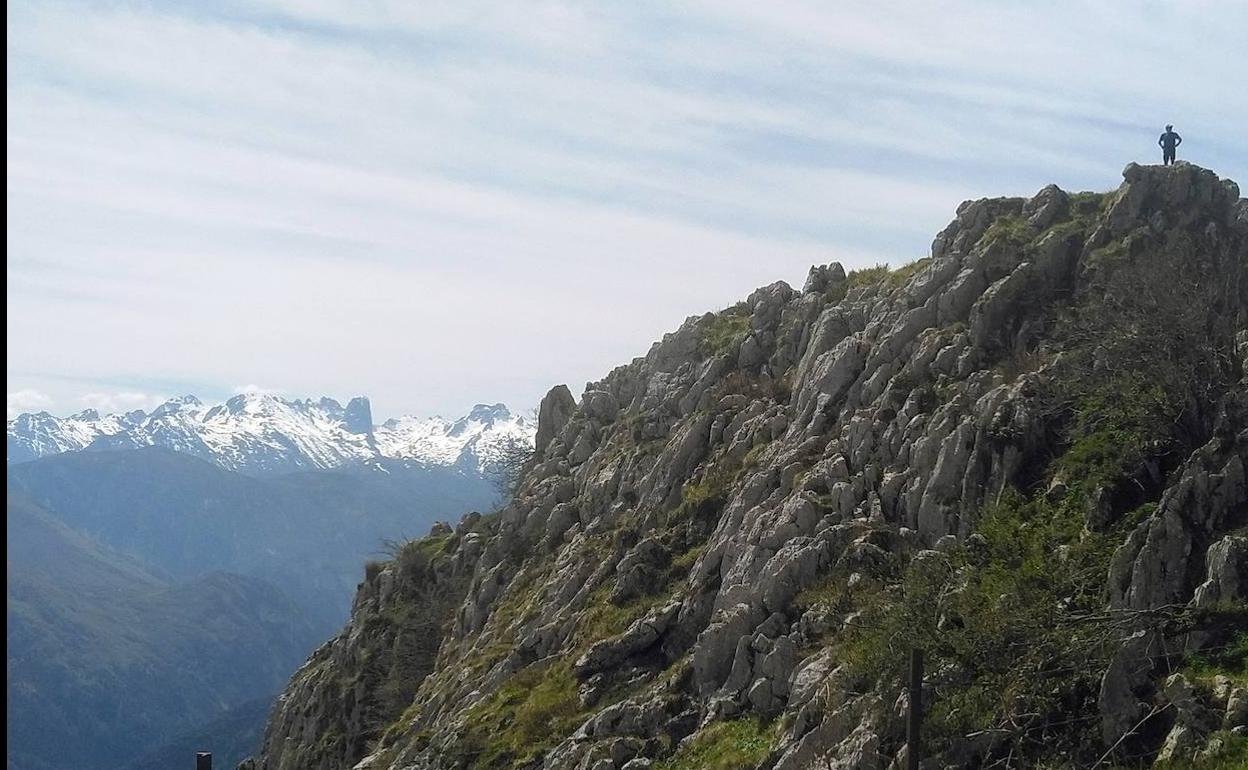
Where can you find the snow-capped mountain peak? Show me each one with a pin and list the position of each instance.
(481, 415)
(179, 404)
(265, 433)
(477, 438)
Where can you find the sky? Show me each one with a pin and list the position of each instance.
(437, 204)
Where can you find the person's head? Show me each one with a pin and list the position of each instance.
(1169, 127)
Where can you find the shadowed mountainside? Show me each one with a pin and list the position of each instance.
(307, 532)
(152, 593)
(105, 658)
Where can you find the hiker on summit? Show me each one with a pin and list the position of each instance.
(1168, 142)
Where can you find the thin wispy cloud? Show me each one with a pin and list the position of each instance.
(443, 203)
(26, 401)
(256, 390)
(121, 401)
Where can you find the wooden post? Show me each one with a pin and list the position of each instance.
(915, 717)
(203, 760)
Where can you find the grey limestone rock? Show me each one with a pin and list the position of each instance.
(552, 415)
(678, 553)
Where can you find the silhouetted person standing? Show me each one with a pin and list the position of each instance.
(1169, 141)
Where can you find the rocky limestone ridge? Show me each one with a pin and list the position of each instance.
(1025, 453)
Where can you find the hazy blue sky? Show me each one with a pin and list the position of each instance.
(437, 204)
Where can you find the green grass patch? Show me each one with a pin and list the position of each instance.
(433, 545)
(830, 592)
(518, 601)
(1012, 230)
(413, 557)
(1230, 661)
(752, 457)
(884, 276)
(602, 620)
(683, 562)
(903, 273)
(867, 276)
(1111, 253)
(523, 719)
(705, 496)
(723, 331)
(703, 500)
(1089, 203)
(399, 727)
(739, 744)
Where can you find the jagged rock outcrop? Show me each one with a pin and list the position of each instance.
(553, 414)
(355, 685)
(696, 543)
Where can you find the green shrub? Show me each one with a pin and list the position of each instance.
(1009, 623)
(1143, 368)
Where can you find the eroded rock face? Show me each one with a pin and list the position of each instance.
(651, 561)
(552, 415)
(353, 686)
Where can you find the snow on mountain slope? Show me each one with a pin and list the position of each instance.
(263, 433)
(476, 438)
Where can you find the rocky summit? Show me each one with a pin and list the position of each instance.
(1024, 454)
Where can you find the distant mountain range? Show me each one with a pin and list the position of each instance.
(153, 596)
(259, 434)
(108, 659)
(167, 571)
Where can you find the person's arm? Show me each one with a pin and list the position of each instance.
(1161, 141)
(1177, 140)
